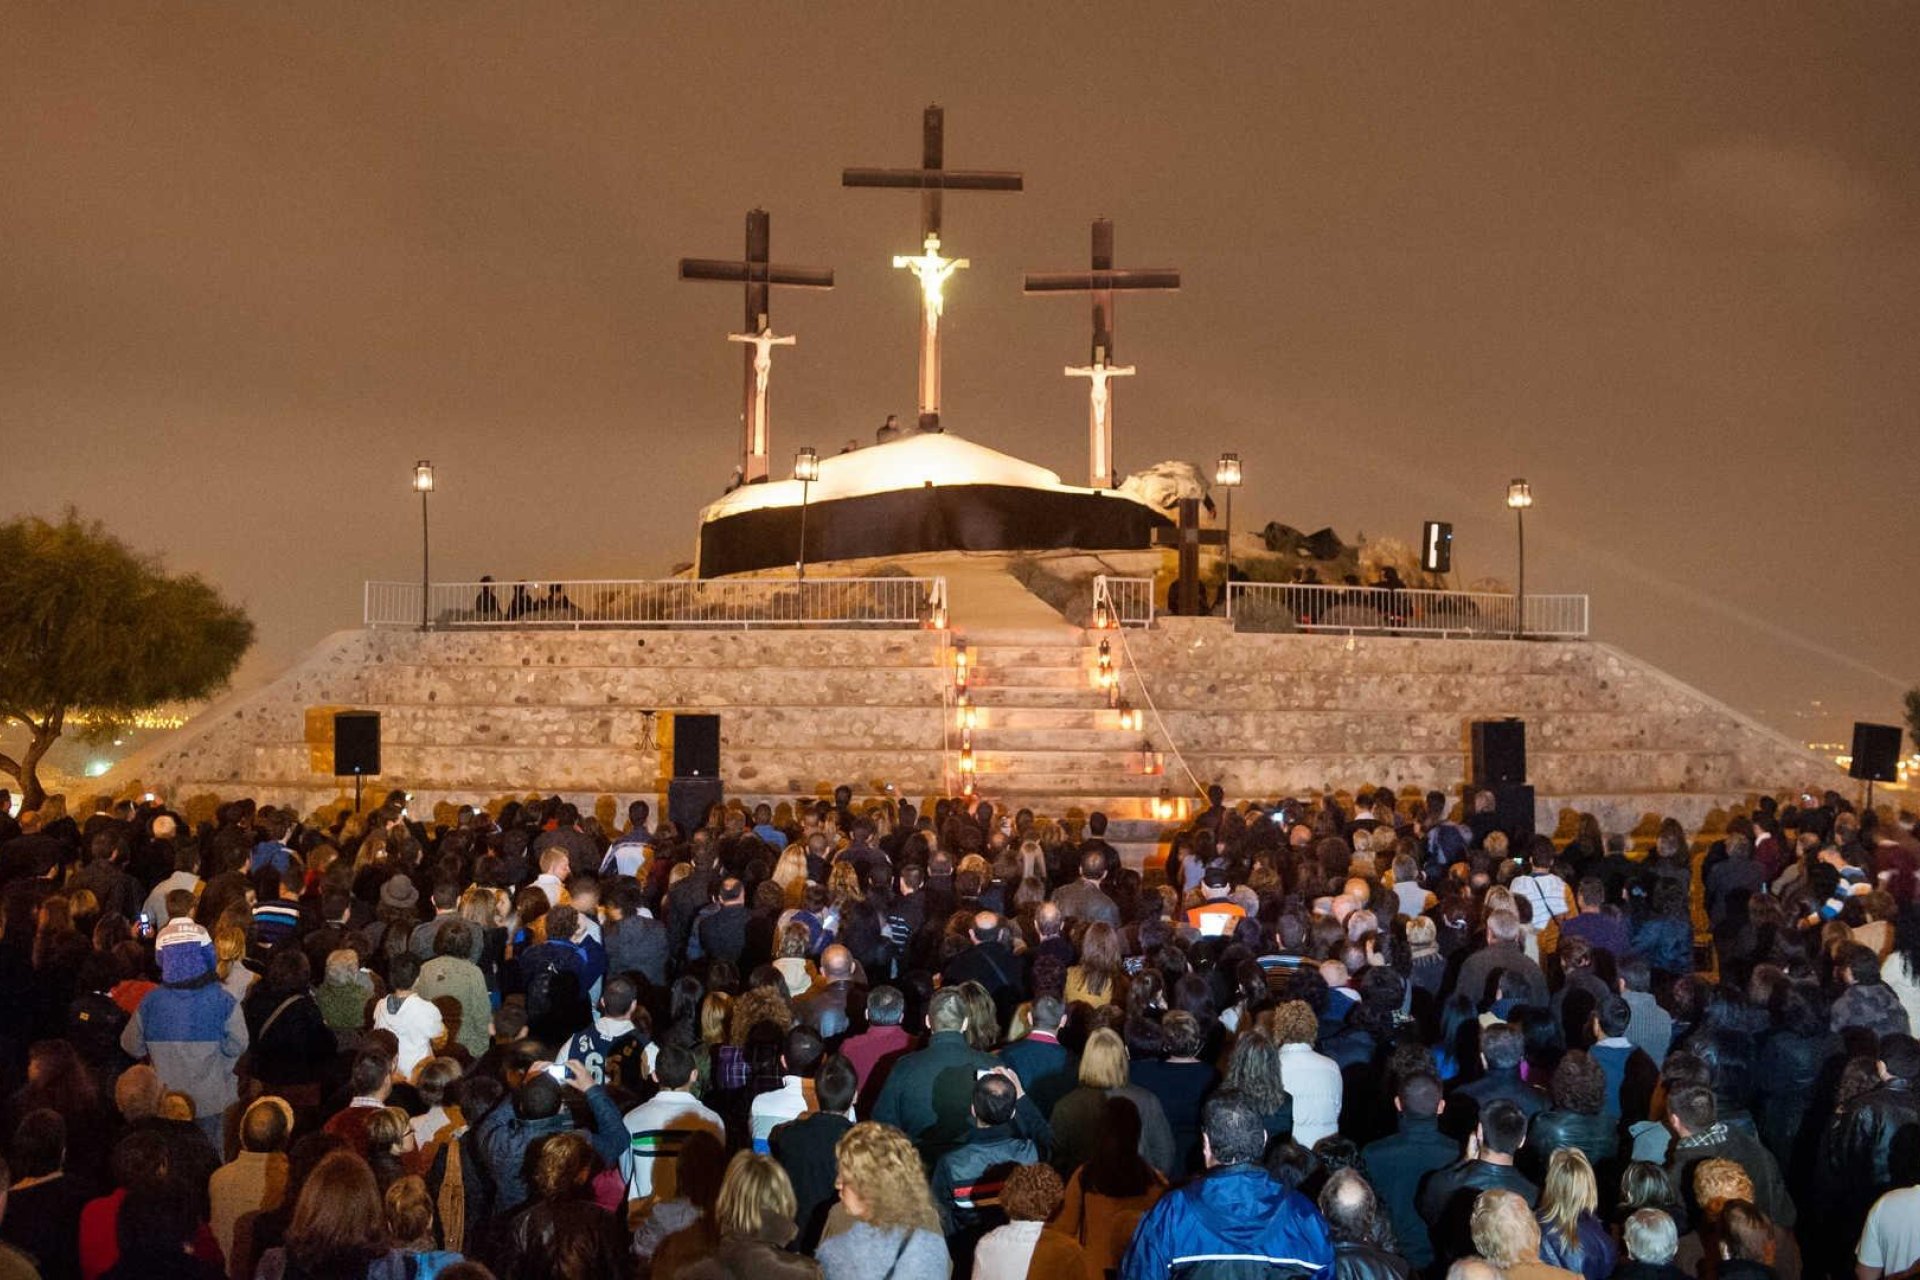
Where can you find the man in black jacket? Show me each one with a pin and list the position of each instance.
(1447, 1196)
(991, 963)
(967, 1179)
(1501, 1049)
(805, 1148)
(1397, 1165)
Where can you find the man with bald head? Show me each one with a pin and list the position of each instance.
(991, 962)
(838, 1000)
(1050, 935)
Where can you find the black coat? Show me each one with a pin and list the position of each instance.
(1368, 1262)
(1396, 1166)
(804, 1148)
(1873, 1145)
(1448, 1195)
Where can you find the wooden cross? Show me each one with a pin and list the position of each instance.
(761, 277)
(1188, 538)
(1102, 281)
(929, 267)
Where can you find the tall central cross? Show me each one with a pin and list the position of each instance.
(761, 277)
(929, 266)
(1102, 281)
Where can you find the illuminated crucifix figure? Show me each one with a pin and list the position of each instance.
(929, 267)
(1102, 282)
(760, 277)
(763, 344)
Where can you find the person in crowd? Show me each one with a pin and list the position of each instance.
(1447, 1196)
(1024, 1247)
(562, 1233)
(191, 1027)
(1649, 1241)
(255, 1180)
(889, 1225)
(1506, 1235)
(1077, 1116)
(1106, 1197)
(1398, 1165)
(969, 1179)
(1572, 1237)
(1234, 1217)
(339, 1228)
(805, 1146)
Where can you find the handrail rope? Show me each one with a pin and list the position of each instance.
(1147, 693)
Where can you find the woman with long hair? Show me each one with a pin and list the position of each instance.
(894, 1227)
(410, 1224)
(1096, 979)
(1253, 1070)
(1571, 1235)
(339, 1227)
(1108, 1195)
(755, 1216)
(1077, 1118)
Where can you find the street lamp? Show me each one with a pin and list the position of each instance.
(1226, 474)
(423, 485)
(1520, 497)
(806, 469)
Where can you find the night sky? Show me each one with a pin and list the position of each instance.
(1661, 260)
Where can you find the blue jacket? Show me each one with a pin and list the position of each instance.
(1233, 1223)
(503, 1140)
(191, 1027)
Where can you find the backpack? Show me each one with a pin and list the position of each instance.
(94, 1024)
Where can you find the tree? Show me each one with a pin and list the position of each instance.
(90, 627)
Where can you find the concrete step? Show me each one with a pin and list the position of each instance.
(643, 687)
(1061, 720)
(1013, 637)
(1028, 655)
(991, 737)
(1120, 757)
(1027, 697)
(1031, 678)
(561, 727)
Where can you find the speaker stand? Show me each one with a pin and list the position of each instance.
(356, 795)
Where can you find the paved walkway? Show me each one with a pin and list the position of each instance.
(986, 596)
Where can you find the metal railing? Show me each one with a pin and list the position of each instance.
(1285, 606)
(1128, 602)
(720, 603)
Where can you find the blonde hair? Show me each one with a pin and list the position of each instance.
(755, 1197)
(229, 947)
(1420, 932)
(879, 1162)
(1717, 1181)
(386, 1129)
(1569, 1191)
(1504, 1230)
(713, 1017)
(1104, 1063)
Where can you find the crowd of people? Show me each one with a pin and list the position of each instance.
(1366, 1036)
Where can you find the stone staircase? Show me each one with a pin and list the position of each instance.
(1045, 738)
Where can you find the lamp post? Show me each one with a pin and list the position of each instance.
(1226, 474)
(423, 485)
(1520, 497)
(806, 469)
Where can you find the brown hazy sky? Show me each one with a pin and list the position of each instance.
(1662, 260)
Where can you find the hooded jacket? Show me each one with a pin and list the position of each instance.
(1233, 1223)
(190, 1025)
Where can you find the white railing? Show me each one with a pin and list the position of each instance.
(674, 602)
(1285, 606)
(1128, 602)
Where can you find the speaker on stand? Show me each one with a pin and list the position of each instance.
(1876, 755)
(356, 747)
(695, 787)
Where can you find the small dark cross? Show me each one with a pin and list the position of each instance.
(932, 270)
(1188, 538)
(1102, 281)
(757, 336)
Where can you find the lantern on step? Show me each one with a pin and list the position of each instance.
(1132, 719)
(967, 765)
(1163, 805)
(969, 714)
(1152, 763)
(960, 670)
(1102, 616)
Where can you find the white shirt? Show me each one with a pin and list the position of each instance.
(552, 886)
(1891, 1239)
(1313, 1079)
(416, 1024)
(1006, 1252)
(1546, 892)
(156, 903)
(793, 1099)
(657, 1129)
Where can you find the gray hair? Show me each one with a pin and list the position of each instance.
(886, 1007)
(342, 966)
(1651, 1236)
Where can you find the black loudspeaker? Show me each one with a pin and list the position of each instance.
(696, 746)
(1513, 806)
(1499, 752)
(1876, 753)
(688, 801)
(356, 744)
